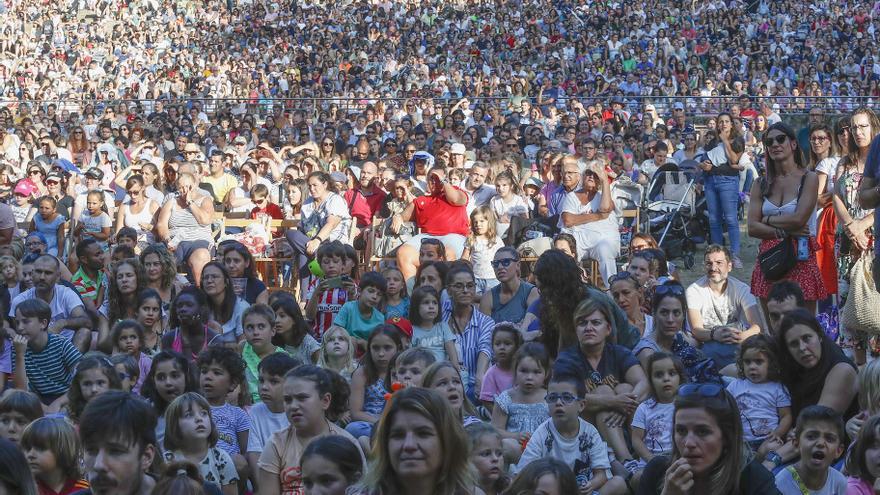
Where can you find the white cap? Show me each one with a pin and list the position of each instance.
(457, 149)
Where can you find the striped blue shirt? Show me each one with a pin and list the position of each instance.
(472, 341)
(50, 371)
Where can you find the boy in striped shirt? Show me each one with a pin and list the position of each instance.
(44, 362)
(334, 289)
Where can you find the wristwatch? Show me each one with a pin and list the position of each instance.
(773, 457)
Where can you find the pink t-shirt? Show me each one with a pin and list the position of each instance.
(856, 486)
(495, 381)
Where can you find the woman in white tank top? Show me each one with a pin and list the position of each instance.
(783, 206)
(139, 212)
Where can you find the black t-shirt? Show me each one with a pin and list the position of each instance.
(754, 479)
(616, 361)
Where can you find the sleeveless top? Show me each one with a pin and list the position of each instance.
(134, 220)
(184, 226)
(374, 397)
(49, 231)
(515, 309)
(768, 209)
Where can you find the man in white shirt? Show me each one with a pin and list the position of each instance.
(721, 309)
(69, 317)
(479, 193)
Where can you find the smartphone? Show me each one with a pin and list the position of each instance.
(334, 283)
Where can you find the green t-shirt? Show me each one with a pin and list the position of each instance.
(252, 370)
(349, 318)
(86, 286)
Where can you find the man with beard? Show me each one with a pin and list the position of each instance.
(90, 275)
(369, 189)
(69, 317)
(721, 309)
(479, 193)
(118, 432)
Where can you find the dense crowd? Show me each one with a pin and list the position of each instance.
(457, 297)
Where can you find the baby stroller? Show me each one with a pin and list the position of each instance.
(671, 217)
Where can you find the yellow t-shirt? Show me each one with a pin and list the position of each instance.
(221, 185)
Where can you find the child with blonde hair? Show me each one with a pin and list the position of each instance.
(337, 352)
(481, 246)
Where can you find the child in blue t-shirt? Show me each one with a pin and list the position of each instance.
(360, 317)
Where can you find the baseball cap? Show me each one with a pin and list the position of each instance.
(338, 177)
(192, 148)
(94, 173)
(25, 187)
(402, 324)
(678, 105)
(54, 175)
(457, 149)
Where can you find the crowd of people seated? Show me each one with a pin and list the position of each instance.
(376, 247)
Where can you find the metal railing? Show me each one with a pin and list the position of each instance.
(700, 106)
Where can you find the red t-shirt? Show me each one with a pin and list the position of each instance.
(437, 216)
(374, 201)
(271, 209)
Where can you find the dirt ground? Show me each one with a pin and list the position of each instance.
(748, 255)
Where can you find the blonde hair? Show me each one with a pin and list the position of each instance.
(491, 231)
(9, 260)
(324, 360)
(869, 388)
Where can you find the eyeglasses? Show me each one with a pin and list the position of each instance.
(818, 139)
(460, 286)
(35, 172)
(566, 398)
(503, 263)
(708, 390)
(673, 289)
(778, 139)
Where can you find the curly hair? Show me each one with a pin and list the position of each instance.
(561, 291)
(166, 259)
(120, 306)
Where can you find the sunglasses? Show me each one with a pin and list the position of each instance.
(620, 276)
(460, 286)
(566, 398)
(707, 390)
(675, 290)
(35, 172)
(504, 263)
(778, 139)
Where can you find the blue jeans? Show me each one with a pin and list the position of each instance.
(722, 200)
(722, 354)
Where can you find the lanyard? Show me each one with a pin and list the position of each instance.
(797, 479)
